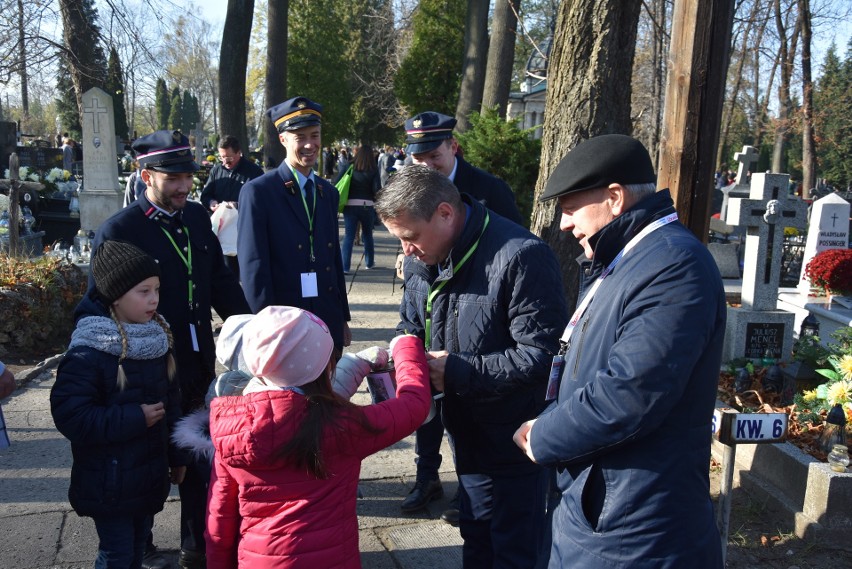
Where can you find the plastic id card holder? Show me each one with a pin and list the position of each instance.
(555, 377)
(309, 285)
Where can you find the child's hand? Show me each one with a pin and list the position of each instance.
(176, 474)
(153, 413)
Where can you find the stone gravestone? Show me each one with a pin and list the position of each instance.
(200, 136)
(757, 328)
(829, 229)
(100, 196)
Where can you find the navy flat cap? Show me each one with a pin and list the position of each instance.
(165, 151)
(599, 162)
(426, 131)
(295, 113)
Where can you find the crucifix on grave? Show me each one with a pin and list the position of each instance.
(745, 158)
(200, 136)
(758, 327)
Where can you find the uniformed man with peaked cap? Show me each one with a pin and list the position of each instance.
(289, 248)
(177, 232)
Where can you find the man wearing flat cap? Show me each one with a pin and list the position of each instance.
(629, 430)
(430, 142)
(194, 278)
(289, 248)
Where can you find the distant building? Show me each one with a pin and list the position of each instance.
(529, 101)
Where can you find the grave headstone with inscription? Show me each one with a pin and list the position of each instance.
(829, 229)
(100, 195)
(758, 328)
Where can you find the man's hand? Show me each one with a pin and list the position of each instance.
(213, 205)
(437, 363)
(153, 413)
(522, 438)
(347, 334)
(7, 383)
(176, 474)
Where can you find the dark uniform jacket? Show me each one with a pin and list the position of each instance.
(224, 185)
(499, 317)
(275, 247)
(488, 189)
(214, 284)
(630, 433)
(121, 466)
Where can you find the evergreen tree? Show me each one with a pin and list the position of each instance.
(317, 61)
(500, 147)
(187, 117)
(163, 104)
(115, 87)
(66, 101)
(832, 125)
(87, 62)
(430, 75)
(176, 114)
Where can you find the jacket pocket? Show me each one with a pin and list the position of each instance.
(586, 498)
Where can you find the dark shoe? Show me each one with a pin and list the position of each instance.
(192, 559)
(451, 514)
(154, 560)
(424, 491)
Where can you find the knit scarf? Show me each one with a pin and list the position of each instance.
(144, 341)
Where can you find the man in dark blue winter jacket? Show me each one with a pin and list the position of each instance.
(629, 431)
(486, 297)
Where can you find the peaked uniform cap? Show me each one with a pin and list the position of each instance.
(599, 162)
(165, 151)
(295, 113)
(426, 131)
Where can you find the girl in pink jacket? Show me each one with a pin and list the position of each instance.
(289, 450)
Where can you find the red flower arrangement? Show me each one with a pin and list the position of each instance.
(831, 271)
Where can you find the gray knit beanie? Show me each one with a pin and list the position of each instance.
(118, 267)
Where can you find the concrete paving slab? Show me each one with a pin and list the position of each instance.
(425, 546)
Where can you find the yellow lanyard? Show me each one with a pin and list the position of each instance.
(187, 259)
(427, 341)
(309, 213)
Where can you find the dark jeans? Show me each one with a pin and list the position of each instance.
(122, 541)
(352, 215)
(502, 520)
(193, 505)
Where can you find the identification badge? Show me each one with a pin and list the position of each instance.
(309, 285)
(555, 378)
(194, 337)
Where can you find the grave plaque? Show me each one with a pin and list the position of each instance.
(758, 324)
(100, 196)
(829, 229)
(764, 339)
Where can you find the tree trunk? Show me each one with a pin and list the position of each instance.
(786, 55)
(501, 56)
(589, 90)
(808, 144)
(659, 65)
(22, 69)
(81, 43)
(275, 87)
(475, 61)
(233, 63)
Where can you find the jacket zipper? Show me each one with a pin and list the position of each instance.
(580, 345)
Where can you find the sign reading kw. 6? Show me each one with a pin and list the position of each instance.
(731, 428)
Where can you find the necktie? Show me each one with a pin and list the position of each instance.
(309, 192)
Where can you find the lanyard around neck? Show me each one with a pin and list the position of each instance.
(608, 271)
(308, 212)
(187, 259)
(434, 292)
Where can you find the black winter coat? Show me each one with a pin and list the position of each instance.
(224, 185)
(490, 190)
(121, 467)
(499, 317)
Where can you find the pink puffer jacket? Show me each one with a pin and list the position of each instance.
(265, 513)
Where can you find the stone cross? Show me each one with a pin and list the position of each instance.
(95, 111)
(745, 158)
(200, 136)
(99, 196)
(765, 214)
